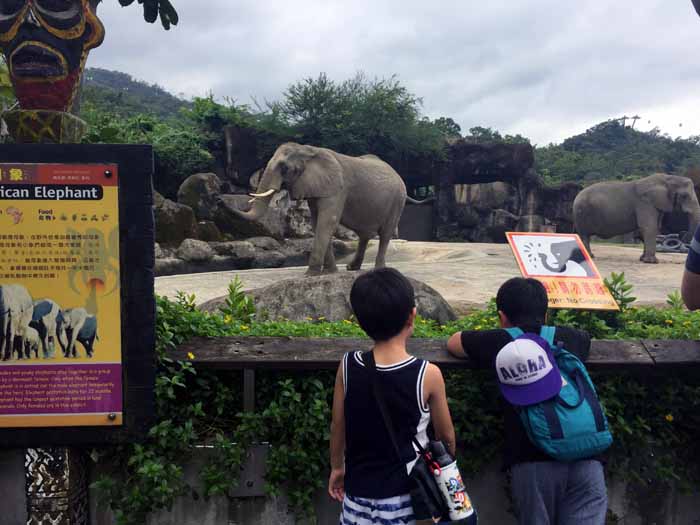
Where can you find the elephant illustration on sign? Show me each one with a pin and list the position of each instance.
(88, 334)
(16, 310)
(32, 341)
(567, 254)
(607, 209)
(364, 194)
(75, 319)
(48, 320)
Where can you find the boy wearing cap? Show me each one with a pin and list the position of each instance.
(545, 491)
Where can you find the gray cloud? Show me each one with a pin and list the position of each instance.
(542, 68)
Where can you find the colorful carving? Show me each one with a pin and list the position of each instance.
(46, 43)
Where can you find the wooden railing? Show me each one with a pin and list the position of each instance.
(290, 353)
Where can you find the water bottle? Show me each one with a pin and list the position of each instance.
(451, 485)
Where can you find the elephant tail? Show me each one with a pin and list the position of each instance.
(424, 201)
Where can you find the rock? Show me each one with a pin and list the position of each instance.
(158, 251)
(272, 224)
(200, 192)
(208, 231)
(174, 222)
(242, 250)
(269, 259)
(298, 220)
(531, 223)
(193, 250)
(266, 243)
(328, 296)
(343, 248)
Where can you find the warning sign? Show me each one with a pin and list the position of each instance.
(562, 264)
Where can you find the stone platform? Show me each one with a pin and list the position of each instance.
(466, 274)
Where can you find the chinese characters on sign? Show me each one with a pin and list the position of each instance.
(60, 329)
(562, 264)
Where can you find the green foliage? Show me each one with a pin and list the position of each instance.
(359, 116)
(612, 151)
(481, 135)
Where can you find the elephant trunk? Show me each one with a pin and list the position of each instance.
(270, 183)
(257, 210)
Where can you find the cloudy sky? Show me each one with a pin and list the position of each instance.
(546, 69)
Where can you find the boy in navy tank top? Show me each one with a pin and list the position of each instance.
(367, 475)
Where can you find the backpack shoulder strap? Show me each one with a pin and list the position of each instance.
(547, 333)
(514, 332)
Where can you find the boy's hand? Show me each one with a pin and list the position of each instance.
(336, 484)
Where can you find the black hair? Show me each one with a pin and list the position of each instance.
(524, 301)
(382, 300)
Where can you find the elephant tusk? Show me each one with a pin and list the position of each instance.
(265, 194)
(251, 201)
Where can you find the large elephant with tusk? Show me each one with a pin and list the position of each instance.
(364, 194)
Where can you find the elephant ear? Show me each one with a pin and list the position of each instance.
(656, 192)
(322, 177)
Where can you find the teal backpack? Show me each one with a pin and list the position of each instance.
(572, 425)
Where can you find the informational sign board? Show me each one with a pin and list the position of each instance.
(77, 304)
(60, 329)
(561, 262)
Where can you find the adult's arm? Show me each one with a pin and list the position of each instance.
(690, 285)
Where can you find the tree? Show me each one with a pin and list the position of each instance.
(448, 127)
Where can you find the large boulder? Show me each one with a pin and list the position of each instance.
(328, 296)
(200, 192)
(175, 222)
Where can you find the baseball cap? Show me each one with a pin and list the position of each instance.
(527, 371)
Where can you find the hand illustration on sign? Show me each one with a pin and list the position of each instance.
(554, 256)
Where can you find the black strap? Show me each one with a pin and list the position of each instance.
(368, 359)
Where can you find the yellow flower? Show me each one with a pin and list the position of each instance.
(346, 321)
(669, 321)
(321, 318)
(190, 355)
(669, 418)
(309, 319)
(245, 327)
(477, 327)
(228, 319)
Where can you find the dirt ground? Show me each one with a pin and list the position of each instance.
(466, 274)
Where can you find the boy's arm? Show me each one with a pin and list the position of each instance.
(434, 392)
(336, 483)
(480, 346)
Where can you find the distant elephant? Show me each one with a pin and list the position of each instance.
(364, 194)
(566, 252)
(75, 319)
(49, 322)
(88, 334)
(16, 310)
(607, 209)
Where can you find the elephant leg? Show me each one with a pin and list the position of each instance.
(327, 219)
(586, 240)
(648, 226)
(384, 238)
(329, 265)
(356, 262)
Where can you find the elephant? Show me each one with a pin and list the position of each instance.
(611, 208)
(32, 341)
(566, 252)
(49, 321)
(75, 320)
(364, 194)
(16, 309)
(88, 334)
